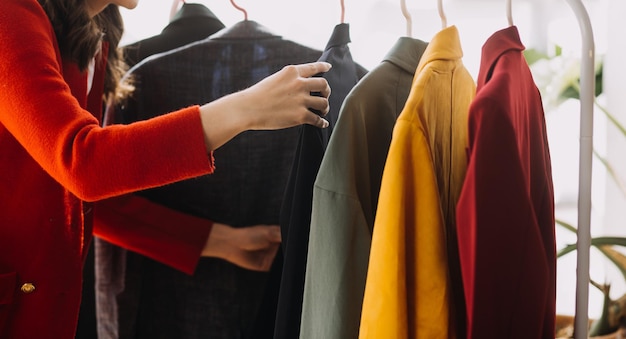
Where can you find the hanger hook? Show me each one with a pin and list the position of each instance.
(407, 16)
(174, 8)
(245, 13)
(343, 11)
(442, 14)
(509, 12)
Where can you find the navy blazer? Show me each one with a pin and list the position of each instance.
(295, 221)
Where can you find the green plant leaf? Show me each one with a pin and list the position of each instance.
(566, 225)
(602, 326)
(611, 118)
(532, 55)
(573, 90)
(620, 241)
(615, 257)
(570, 92)
(612, 172)
(599, 82)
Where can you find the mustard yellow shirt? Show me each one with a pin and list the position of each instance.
(408, 289)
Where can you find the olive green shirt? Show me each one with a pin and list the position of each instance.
(345, 195)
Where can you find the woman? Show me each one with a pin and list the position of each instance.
(55, 157)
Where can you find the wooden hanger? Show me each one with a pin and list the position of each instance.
(442, 14)
(245, 13)
(509, 12)
(174, 8)
(407, 16)
(343, 11)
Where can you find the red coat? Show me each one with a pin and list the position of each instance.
(54, 156)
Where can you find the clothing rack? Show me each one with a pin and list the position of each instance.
(583, 244)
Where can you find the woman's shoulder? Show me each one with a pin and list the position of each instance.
(20, 5)
(24, 23)
(19, 15)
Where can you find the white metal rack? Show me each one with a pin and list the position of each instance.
(587, 93)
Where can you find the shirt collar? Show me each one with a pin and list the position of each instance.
(406, 53)
(445, 45)
(340, 36)
(499, 43)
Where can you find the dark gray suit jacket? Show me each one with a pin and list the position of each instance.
(220, 300)
(192, 22)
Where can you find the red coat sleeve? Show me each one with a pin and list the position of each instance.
(92, 162)
(160, 233)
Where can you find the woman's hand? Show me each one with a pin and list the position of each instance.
(252, 248)
(283, 99)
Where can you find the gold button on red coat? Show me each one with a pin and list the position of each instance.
(28, 288)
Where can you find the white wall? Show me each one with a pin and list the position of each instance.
(375, 25)
(615, 102)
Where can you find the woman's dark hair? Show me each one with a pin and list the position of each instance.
(80, 37)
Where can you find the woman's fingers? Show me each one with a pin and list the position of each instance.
(259, 237)
(318, 85)
(316, 89)
(319, 104)
(260, 247)
(310, 69)
(318, 93)
(252, 248)
(261, 260)
(315, 120)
